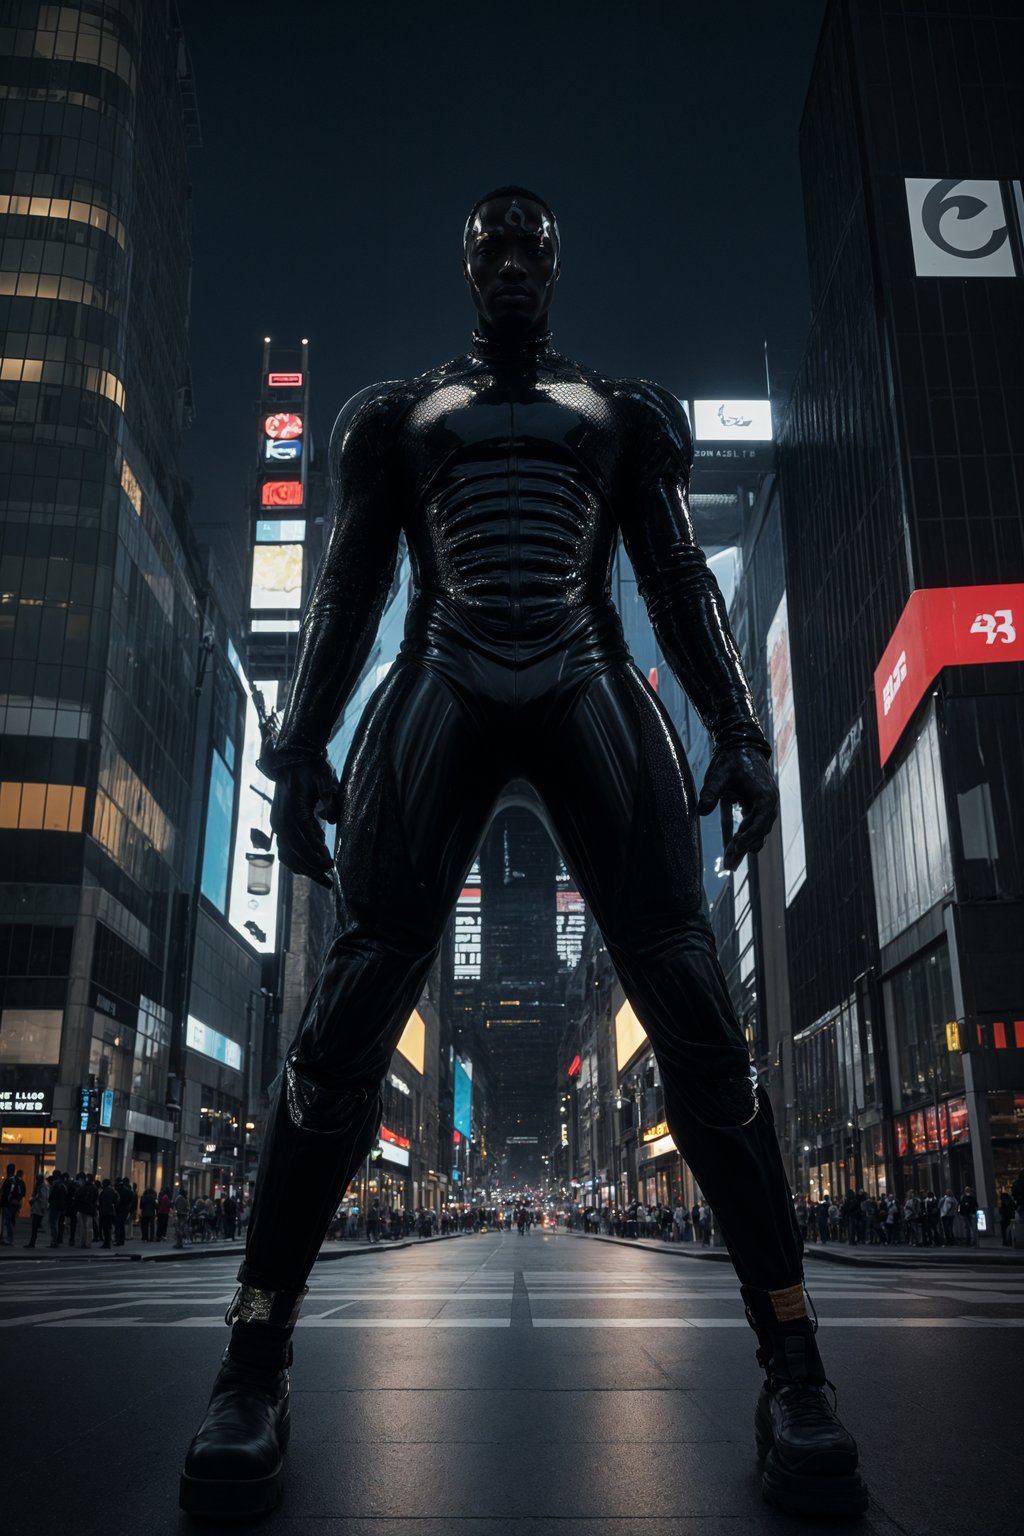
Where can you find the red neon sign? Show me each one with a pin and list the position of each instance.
(281, 493)
(456, 1137)
(574, 1066)
(943, 627)
(284, 380)
(396, 1141)
(282, 426)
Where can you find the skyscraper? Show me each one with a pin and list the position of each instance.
(100, 597)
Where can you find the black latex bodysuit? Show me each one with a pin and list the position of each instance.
(511, 473)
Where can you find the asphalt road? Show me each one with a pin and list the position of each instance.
(507, 1386)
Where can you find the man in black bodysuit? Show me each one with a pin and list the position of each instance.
(511, 471)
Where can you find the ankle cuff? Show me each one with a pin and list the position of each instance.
(279, 1309)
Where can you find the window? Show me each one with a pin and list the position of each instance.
(30, 1036)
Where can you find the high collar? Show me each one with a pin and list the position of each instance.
(519, 352)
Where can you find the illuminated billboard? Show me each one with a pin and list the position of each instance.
(275, 530)
(210, 1042)
(281, 493)
(467, 928)
(276, 576)
(283, 424)
(958, 228)
(282, 452)
(732, 421)
(630, 1035)
(570, 921)
(251, 915)
(413, 1044)
(943, 627)
(284, 380)
(220, 807)
(787, 761)
(463, 1111)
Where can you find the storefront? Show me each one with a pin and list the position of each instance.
(27, 1137)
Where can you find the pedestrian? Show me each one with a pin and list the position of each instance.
(38, 1205)
(107, 1209)
(823, 1205)
(947, 1215)
(1007, 1213)
(705, 1224)
(123, 1212)
(147, 1213)
(373, 1222)
(163, 1214)
(12, 1193)
(181, 1209)
(931, 1220)
(229, 1213)
(74, 1188)
(58, 1208)
(85, 1210)
(968, 1209)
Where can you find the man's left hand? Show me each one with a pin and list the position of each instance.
(740, 776)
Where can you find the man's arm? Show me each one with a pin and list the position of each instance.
(689, 617)
(338, 626)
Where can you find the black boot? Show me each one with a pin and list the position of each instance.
(809, 1459)
(234, 1464)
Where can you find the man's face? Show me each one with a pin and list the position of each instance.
(511, 263)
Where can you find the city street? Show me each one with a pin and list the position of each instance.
(512, 1385)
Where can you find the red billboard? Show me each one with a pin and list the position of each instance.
(281, 493)
(284, 380)
(943, 627)
(283, 426)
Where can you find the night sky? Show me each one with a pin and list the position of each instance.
(344, 143)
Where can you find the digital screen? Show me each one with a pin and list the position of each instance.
(737, 421)
(276, 576)
(284, 380)
(210, 1042)
(282, 452)
(275, 626)
(260, 912)
(281, 493)
(570, 923)
(283, 424)
(272, 530)
(463, 1098)
(220, 808)
(107, 1107)
(787, 759)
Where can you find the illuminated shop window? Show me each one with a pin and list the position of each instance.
(42, 807)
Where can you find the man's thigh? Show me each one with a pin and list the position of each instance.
(621, 800)
(417, 790)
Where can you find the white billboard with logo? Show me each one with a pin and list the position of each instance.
(959, 228)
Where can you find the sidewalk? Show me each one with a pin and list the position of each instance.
(166, 1253)
(839, 1253)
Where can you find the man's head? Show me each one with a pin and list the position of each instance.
(511, 249)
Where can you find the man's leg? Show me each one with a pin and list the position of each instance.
(620, 795)
(417, 790)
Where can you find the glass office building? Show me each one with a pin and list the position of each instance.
(100, 625)
(900, 467)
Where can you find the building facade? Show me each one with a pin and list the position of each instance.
(101, 620)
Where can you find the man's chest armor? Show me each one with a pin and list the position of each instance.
(511, 487)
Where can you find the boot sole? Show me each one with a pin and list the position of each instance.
(233, 1500)
(840, 1497)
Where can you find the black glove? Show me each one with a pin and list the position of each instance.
(304, 790)
(740, 776)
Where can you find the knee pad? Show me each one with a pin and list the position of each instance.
(727, 1104)
(325, 1110)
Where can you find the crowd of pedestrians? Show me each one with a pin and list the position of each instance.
(922, 1219)
(84, 1209)
(681, 1224)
